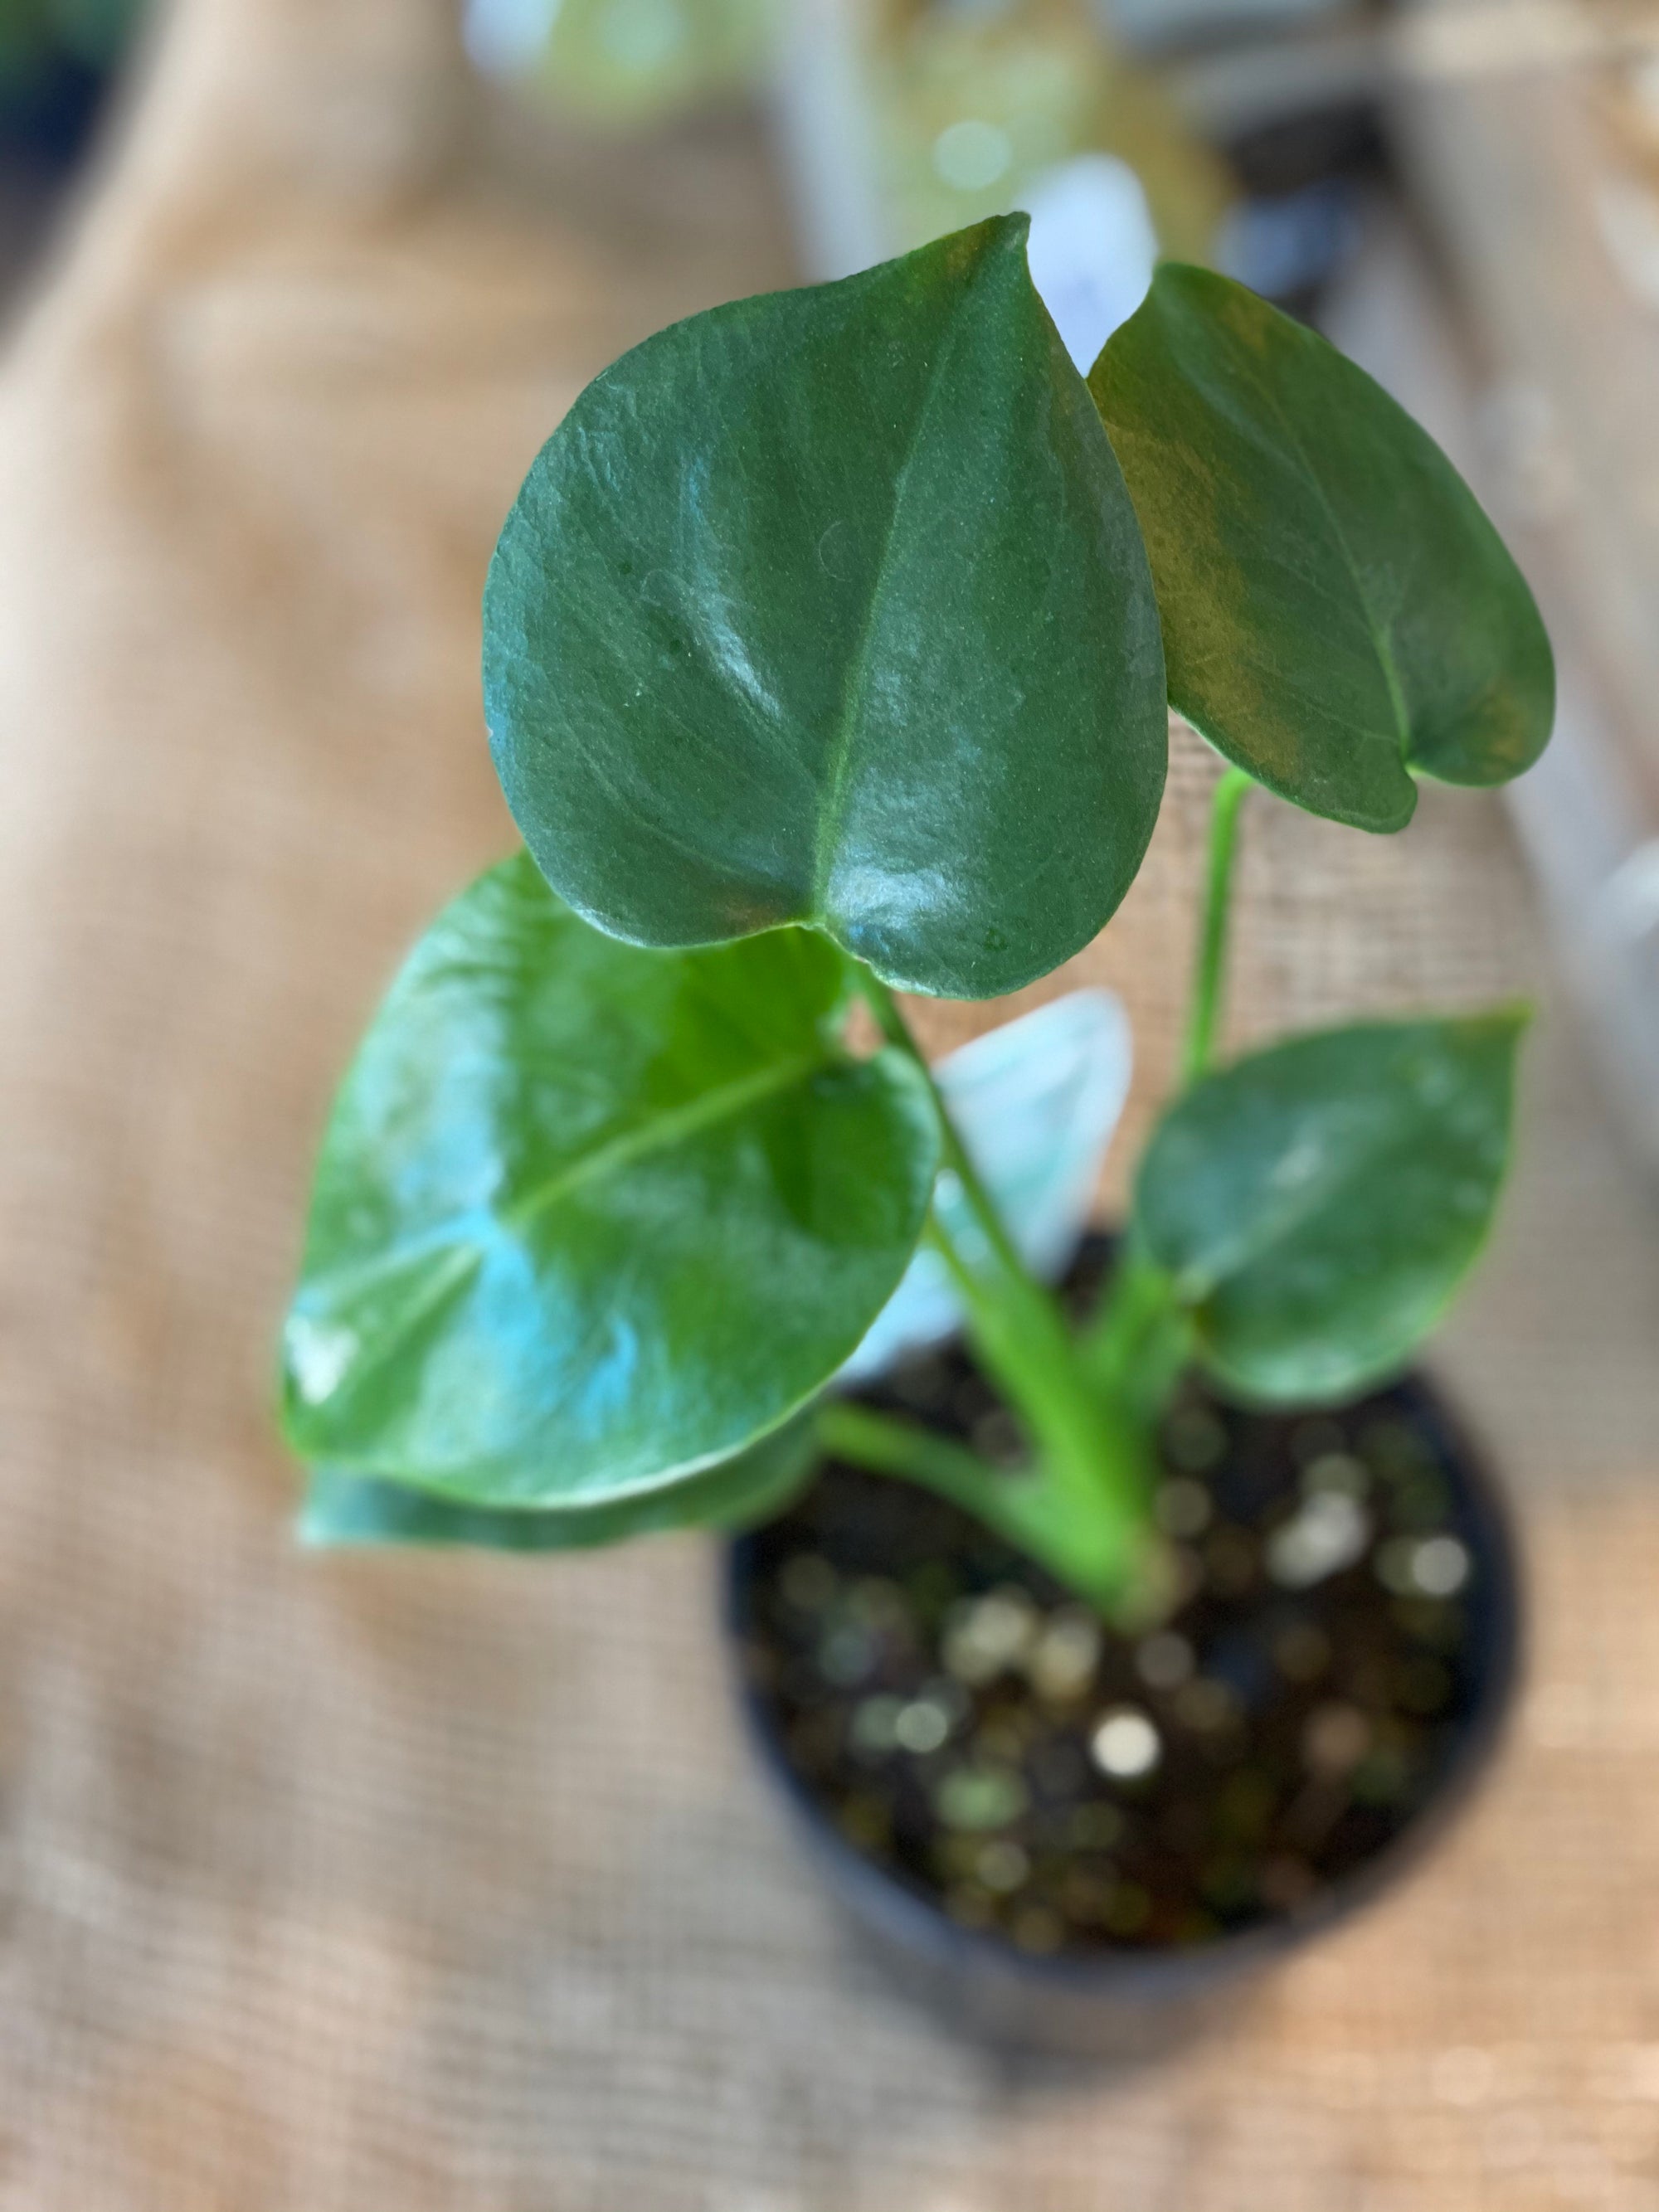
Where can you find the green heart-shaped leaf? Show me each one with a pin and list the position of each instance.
(1317, 1204)
(830, 607)
(341, 1509)
(589, 1218)
(1337, 610)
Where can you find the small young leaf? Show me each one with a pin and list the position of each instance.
(588, 1219)
(1337, 612)
(341, 1509)
(830, 606)
(1317, 1204)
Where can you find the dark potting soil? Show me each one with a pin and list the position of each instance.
(970, 1725)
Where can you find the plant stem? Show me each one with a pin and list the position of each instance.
(897, 1031)
(1205, 1013)
(891, 1445)
(1091, 1495)
(1140, 1340)
(1019, 1505)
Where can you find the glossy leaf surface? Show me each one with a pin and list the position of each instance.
(831, 606)
(1318, 1203)
(1338, 611)
(341, 1509)
(588, 1219)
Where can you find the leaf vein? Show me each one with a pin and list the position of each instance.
(833, 806)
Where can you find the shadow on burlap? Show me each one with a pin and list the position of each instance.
(347, 1885)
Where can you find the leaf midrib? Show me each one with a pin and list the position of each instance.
(663, 1130)
(833, 804)
(1287, 1218)
(1374, 629)
(456, 1259)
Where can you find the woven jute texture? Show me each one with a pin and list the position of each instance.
(378, 1884)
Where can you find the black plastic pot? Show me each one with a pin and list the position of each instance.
(1134, 2001)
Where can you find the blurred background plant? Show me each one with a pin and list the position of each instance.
(54, 59)
(58, 59)
(1141, 129)
(623, 62)
(978, 107)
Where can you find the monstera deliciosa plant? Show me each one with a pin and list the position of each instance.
(829, 647)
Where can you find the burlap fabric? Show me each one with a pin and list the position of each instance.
(372, 1885)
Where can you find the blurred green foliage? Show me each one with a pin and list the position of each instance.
(38, 35)
(974, 106)
(625, 62)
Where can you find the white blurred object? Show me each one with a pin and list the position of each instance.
(1092, 249)
(1627, 215)
(1035, 1103)
(505, 36)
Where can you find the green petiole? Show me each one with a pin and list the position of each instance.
(1205, 1013)
(1084, 1508)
